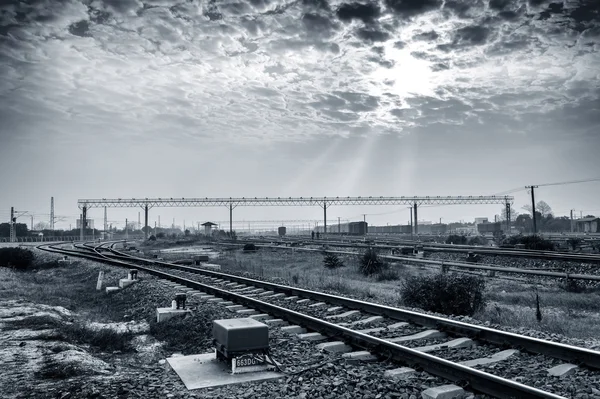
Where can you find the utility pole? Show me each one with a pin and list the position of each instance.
(508, 217)
(139, 222)
(83, 222)
(411, 222)
(533, 208)
(155, 228)
(52, 213)
(31, 222)
(12, 224)
(572, 220)
(416, 219)
(105, 222)
(126, 233)
(159, 221)
(339, 226)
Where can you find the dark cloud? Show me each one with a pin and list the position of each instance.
(317, 22)
(508, 15)
(364, 12)
(472, 35)
(426, 36)
(81, 28)
(410, 8)
(500, 4)
(373, 34)
(586, 11)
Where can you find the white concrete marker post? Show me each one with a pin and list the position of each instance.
(100, 280)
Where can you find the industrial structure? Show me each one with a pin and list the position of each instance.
(587, 225)
(323, 202)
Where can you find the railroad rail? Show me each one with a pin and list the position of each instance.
(523, 253)
(460, 265)
(478, 380)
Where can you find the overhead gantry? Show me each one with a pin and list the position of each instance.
(323, 202)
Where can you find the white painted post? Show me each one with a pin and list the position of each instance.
(100, 278)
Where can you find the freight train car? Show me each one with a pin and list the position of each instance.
(357, 228)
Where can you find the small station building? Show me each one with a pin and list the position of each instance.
(208, 228)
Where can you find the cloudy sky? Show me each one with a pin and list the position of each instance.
(219, 98)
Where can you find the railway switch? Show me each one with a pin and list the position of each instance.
(180, 301)
(242, 344)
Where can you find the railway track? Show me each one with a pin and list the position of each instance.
(375, 328)
(447, 265)
(521, 253)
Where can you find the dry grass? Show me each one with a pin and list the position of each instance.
(511, 303)
(306, 269)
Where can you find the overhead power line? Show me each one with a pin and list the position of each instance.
(517, 189)
(569, 182)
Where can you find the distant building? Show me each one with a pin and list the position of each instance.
(480, 221)
(485, 228)
(587, 225)
(90, 223)
(208, 227)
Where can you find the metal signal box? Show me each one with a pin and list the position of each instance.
(234, 337)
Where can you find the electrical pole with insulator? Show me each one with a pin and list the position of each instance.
(12, 224)
(533, 208)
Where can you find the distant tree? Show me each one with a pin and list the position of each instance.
(513, 214)
(41, 226)
(20, 229)
(523, 222)
(589, 216)
(542, 207)
(187, 232)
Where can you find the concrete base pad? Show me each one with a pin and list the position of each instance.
(204, 371)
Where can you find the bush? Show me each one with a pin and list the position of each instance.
(332, 261)
(250, 247)
(448, 294)
(18, 258)
(531, 242)
(152, 238)
(575, 286)
(477, 241)
(160, 235)
(388, 274)
(370, 263)
(456, 239)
